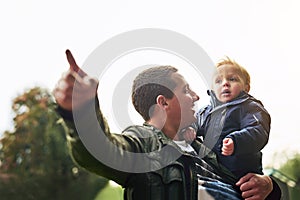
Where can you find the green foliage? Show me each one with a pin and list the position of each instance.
(291, 168)
(111, 191)
(34, 159)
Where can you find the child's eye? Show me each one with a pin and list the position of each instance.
(233, 79)
(218, 81)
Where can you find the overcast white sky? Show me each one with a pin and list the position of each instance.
(261, 35)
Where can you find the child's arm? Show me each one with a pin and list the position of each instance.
(255, 130)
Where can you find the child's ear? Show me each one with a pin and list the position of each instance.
(247, 88)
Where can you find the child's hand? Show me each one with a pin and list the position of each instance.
(189, 134)
(228, 147)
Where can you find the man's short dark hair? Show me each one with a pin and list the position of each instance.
(148, 85)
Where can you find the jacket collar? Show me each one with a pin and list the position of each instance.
(162, 137)
(243, 96)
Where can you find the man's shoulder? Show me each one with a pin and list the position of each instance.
(139, 130)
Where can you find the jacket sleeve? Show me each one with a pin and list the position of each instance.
(276, 193)
(108, 150)
(255, 125)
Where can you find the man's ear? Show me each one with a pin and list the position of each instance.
(161, 101)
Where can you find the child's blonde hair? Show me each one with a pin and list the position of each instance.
(243, 71)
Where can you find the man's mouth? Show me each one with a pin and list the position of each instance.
(194, 107)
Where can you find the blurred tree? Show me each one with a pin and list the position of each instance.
(292, 169)
(112, 191)
(34, 159)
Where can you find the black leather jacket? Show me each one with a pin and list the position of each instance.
(173, 174)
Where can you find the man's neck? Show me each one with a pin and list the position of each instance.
(168, 130)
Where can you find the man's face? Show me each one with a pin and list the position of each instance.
(181, 106)
(228, 83)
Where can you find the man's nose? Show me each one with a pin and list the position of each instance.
(195, 97)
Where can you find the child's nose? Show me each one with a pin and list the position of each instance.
(225, 82)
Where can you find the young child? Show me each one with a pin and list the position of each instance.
(235, 125)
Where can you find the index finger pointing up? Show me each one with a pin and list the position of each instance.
(71, 61)
(73, 65)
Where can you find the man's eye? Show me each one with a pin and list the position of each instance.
(187, 90)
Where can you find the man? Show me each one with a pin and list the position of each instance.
(144, 159)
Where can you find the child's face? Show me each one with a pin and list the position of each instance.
(228, 83)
